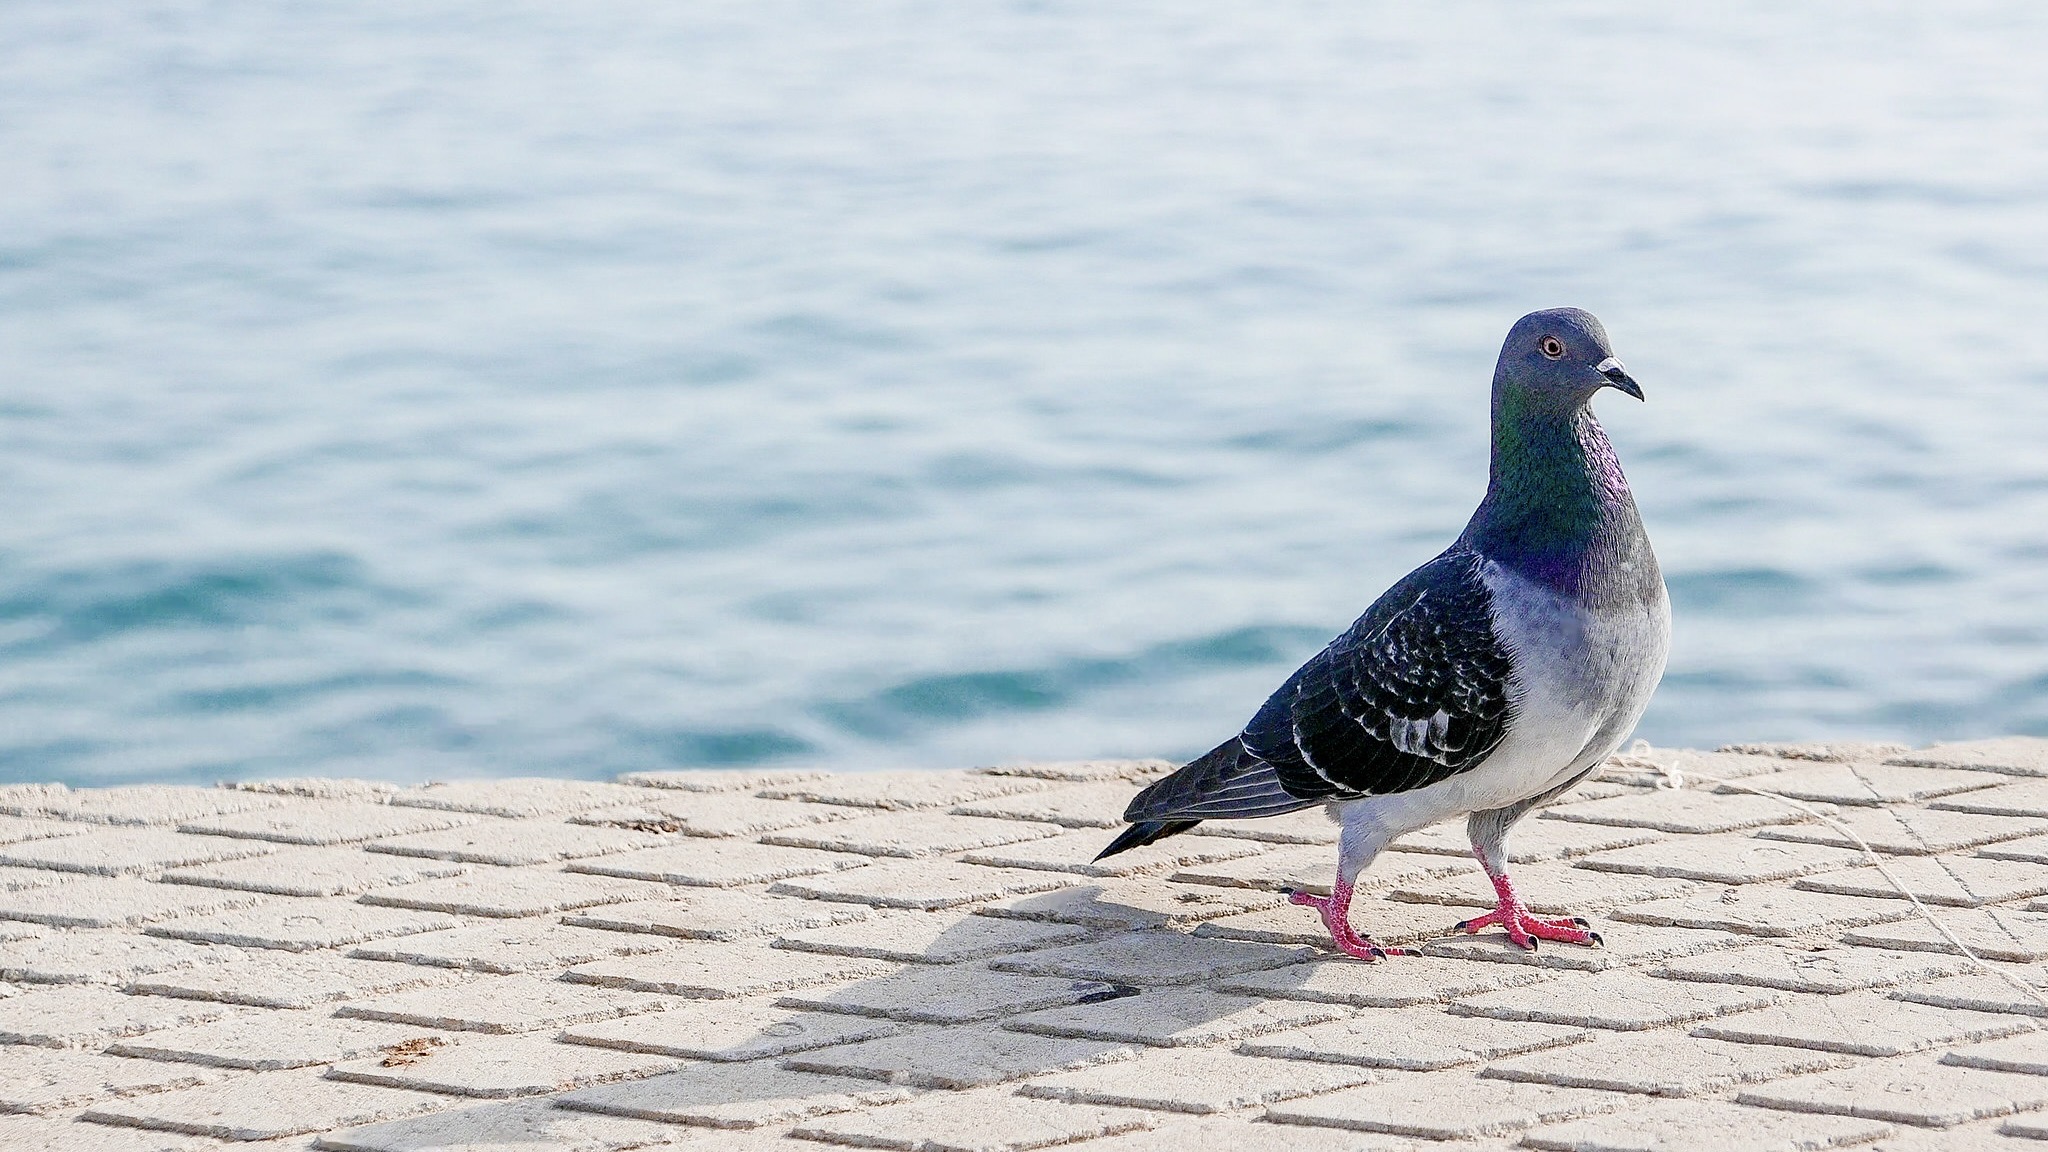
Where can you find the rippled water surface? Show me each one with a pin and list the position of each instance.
(413, 389)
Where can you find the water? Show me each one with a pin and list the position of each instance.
(424, 390)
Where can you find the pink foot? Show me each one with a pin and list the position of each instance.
(1335, 909)
(1524, 929)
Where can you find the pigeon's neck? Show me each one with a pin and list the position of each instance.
(1557, 508)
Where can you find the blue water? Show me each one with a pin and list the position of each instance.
(418, 390)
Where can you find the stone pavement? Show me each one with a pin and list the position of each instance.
(929, 960)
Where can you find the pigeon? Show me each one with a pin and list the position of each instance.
(1485, 683)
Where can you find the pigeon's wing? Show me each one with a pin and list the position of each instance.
(1415, 692)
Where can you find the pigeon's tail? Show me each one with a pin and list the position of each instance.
(1227, 783)
(1145, 832)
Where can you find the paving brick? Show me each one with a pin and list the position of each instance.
(1624, 1001)
(264, 978)
(1532, 842)
(1184, 1133)
(901, 791)
(728, 1030)
(1723, 859)
(1554, 889)
(722, 780)
(1916, 1090)
(326, 823)
(264, 1106)
(1764, 910)
(722, 971)
(2031, 850)
(985, 1121)
(301, 925)
(1869, 785)
(717, 914)
(20, 830)
(1139, 903)
(1821, 969)
(1390, 985)
(1416, 1039)
(718, 864)
(504, 1126)
(122, 902)
(1096, 805)
(1912, 831)
(2023, 798)
(932, 937)
(1445, 1106)
(319, 787)
(1152, 958)
(1197, 1080)
(1626, 945)
(1692, 767)
(520, 797)
(1658, 1065)
(140, 804)
(1993, 933)
(1387, 921)
(513, 892)
(1957, 881)
(265, 1043)
(924, 884)
(525, 946)
(2027, 1052)
(1075, 852)
(313, 872)
(957, 994)
(1826, 751)
(511, 843)
(22, 879)
(1174, 1018)
(958, 1058)
(1311, 826)
(1862, 1024)
(2012, 755)
(732, 1096)
(2025, 1127)
(503, 1066)
(43, 1081)
(87, 1015)
(93, 957)
(1980, 991)
(503, 1004)
(1704, 1126)
(1311, 868)
(68, 1134)
(1679, 810)
(127, 851)
(1084, 771)
(718, 814)
(911, 835)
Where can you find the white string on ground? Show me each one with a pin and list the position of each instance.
(1673, 778)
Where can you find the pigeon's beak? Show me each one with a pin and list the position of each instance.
(1619, 377)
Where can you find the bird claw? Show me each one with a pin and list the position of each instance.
(1525, 931)
(1337, 921)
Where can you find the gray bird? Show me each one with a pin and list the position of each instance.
(1486, 682)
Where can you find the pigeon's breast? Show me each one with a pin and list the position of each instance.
(1583, 673)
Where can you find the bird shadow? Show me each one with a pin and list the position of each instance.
(971, 997)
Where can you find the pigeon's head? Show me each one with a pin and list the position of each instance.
(1560, 355)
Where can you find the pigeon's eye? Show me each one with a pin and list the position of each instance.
(1551, 346)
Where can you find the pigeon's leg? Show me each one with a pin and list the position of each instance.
(1489, 843)
(1356, 847)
